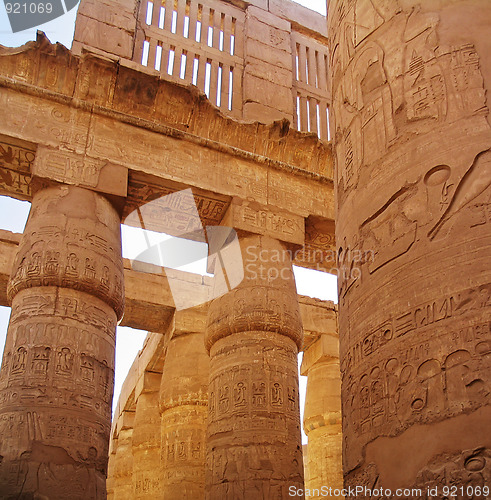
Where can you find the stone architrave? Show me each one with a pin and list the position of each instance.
(56, 381)
(410, 117)
(253, 336)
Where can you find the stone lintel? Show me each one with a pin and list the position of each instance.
(265, 220)
(192, 320)
(80, 170)
(9, 243)
(143, 101)
(318, 317)
(324, 349)
(149, 304)
(147, 382)
(158, 151)
(126, 420)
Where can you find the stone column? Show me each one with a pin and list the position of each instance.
(322, 416)
(113, 447)
(146, 438)
(183, 405)
(122, 460)
(411, 86)
(56, 381)
(254, 333)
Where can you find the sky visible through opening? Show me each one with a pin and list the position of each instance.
(13, 213)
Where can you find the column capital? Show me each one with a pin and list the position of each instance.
(191, 320)
(266, 298)
(60, 248)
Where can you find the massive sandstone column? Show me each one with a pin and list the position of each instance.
(56, 381)
(146, 438)
(121, 464)
(254, 333)
(411, 86)
(183, 406)
(322, 417)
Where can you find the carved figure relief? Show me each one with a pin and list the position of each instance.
(19, 360)
(414, 386)
(239, 395)
(464, 475)
(15, 168)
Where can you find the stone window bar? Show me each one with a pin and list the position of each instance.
(202, 43)
(196, 43)
(310, 85)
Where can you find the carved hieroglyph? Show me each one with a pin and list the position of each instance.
(254, 333)
(410, 83)
(56, 381)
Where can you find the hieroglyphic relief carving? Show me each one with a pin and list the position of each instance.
(95, 81)
(367, 112)
(62, 167)
(78, 255)
(41, 467)
(421, 382)
(433, 207)
(57, 384)
(414, 330)
(442, 84)
(79, 170)
(268, 310)
(275, 392)
(146, 441)
(475, 182)
(65, 366)
(464, 474)
(428, 209)
(262, 219)
(15, 168)
(253, 336)
(175, 214)
(184, 403)
(266, 407)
